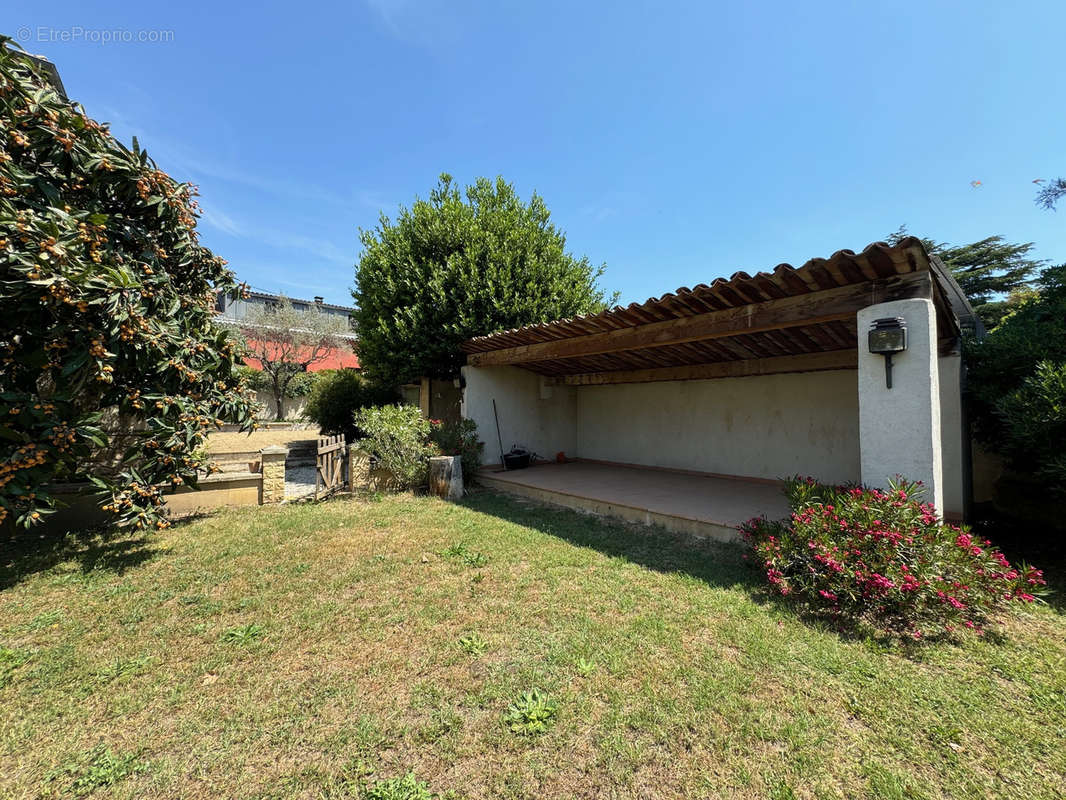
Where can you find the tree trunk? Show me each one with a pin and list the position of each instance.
(279, 399)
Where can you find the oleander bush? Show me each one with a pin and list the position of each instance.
(112, 368)
(398, 437)
(884, 559)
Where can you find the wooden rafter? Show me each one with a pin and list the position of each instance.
(815, 308)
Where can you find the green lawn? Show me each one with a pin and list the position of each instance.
(308, 651)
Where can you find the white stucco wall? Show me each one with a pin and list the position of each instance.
(769, 426)
(542, 418)
(951, 434)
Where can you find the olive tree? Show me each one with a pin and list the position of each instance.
(285, 342)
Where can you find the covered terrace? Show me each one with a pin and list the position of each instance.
(688, 409)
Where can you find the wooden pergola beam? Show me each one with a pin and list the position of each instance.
(809, 362)
(814, 308)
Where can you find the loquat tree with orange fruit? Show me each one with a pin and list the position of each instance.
(106, 314)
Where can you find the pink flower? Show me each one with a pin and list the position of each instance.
(879, 582)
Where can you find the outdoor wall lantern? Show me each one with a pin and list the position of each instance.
(888, 336)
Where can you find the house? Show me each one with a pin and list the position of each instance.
(687, 410)
(235, 310)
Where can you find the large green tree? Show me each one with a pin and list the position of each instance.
(989, 271)
(108, 336)
(457, 265)
(1017, 384)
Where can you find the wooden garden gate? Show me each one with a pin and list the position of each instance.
(330, 465)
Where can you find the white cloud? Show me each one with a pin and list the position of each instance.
(322, 248)
(181, 163)
(598, 213)
(318, 246)
(429, 23)
(220, 221)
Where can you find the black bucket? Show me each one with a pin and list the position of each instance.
(516, 459)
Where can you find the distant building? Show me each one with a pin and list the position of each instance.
(238, 309)
(231, 310)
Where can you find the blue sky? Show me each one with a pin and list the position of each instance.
(676, 143)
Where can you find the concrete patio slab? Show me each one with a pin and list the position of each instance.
(700, 505)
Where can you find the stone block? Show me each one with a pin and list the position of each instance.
(272, 461)
(446, 477)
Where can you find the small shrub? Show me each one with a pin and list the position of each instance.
(336, 395)
(406, 788)
(244, 634)
(473, 644)
(460, 552)
(397, 437)
(459, 439)
(531, 714)
(98, 768)
(883, 558)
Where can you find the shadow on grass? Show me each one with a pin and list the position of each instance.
(715, 563)
(722, 564)
(28, 553)
(718, 564)
(1032, 543)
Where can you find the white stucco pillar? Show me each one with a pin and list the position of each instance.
(899, 428)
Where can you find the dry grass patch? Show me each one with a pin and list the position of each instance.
(318, 651)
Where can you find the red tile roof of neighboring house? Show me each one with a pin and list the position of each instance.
(336, 358)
